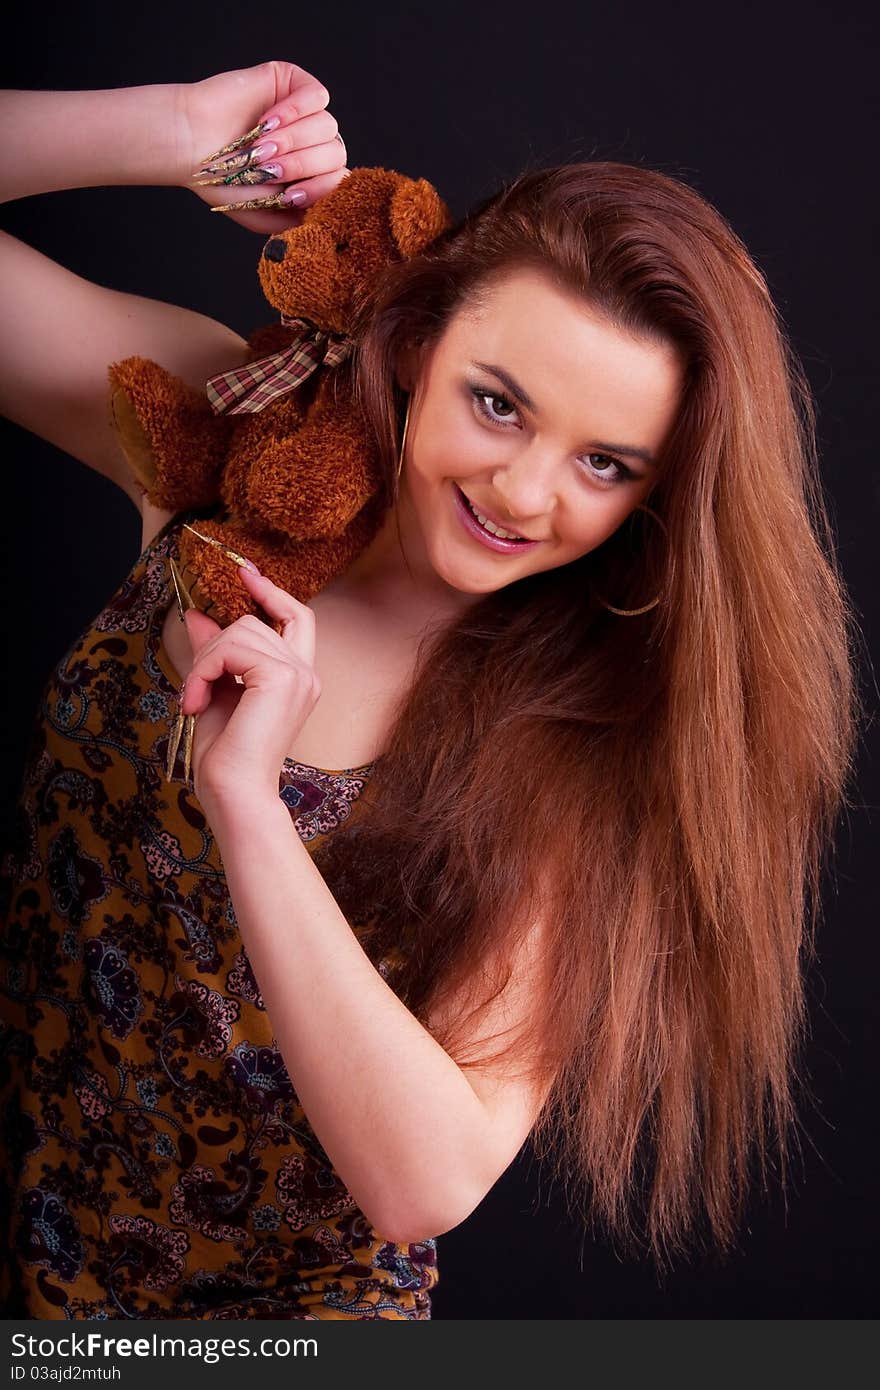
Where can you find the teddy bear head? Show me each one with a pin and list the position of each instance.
(318, 270)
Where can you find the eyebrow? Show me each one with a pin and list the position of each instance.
(631, 450)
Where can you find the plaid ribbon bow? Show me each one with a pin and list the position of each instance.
(254, 386)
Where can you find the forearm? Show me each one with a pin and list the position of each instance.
(397, 1117)
(54, 140)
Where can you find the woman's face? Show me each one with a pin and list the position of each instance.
(545, 417)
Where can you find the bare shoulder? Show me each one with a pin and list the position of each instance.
(153, 519)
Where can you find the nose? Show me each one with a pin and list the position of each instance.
(526, 488)
(274, 250)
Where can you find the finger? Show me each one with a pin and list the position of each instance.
(304, 164)
(297, 621)
(260, 635)
(303, 94)
(237, 656)
(199, 628)
(315, 189)
(317, 129)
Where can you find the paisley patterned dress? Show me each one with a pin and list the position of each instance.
(156, 1162)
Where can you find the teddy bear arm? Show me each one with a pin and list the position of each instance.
(311, 484)
(174, 443)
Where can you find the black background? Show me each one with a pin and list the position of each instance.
(768, 110)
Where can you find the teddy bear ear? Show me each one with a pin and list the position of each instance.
(417, 215)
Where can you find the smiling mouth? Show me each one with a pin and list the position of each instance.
(481, 516)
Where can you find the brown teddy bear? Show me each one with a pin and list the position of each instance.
(279, 444)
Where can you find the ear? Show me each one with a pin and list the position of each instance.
(410, 361)
(417, 216)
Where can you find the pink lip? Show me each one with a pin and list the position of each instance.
(473, 526)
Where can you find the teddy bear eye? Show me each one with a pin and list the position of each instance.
(342, 246)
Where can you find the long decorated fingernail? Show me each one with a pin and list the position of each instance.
(181, 593)
(173, 745)
(277, 200)
(227, 549)
(225, 166)
(189, 729)
(237, 162)
(262, 129)
(262, 174)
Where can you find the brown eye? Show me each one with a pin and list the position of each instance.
(621, 473)
(342, 246)
(488, 411)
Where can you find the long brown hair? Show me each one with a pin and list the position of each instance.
(666, 784)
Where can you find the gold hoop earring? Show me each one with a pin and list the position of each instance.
(633, 612)
(403, 436)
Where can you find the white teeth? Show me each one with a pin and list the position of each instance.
(490, 525)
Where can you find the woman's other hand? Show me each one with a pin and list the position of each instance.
(244, 731)
(309, 152)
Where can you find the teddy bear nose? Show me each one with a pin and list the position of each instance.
(274, 249)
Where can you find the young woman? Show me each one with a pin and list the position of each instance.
(514, 830)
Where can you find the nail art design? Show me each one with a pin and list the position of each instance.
(233, 164)
(181, 593)
(275, 201)
(227, 550)
(188, 732)
(237, 165)
(173, 745)
(184, 724)
(238, 144)
(243, 176)
(183, 728)
(237, 161)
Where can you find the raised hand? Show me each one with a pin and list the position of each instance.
(228, 131)
(252, 689)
